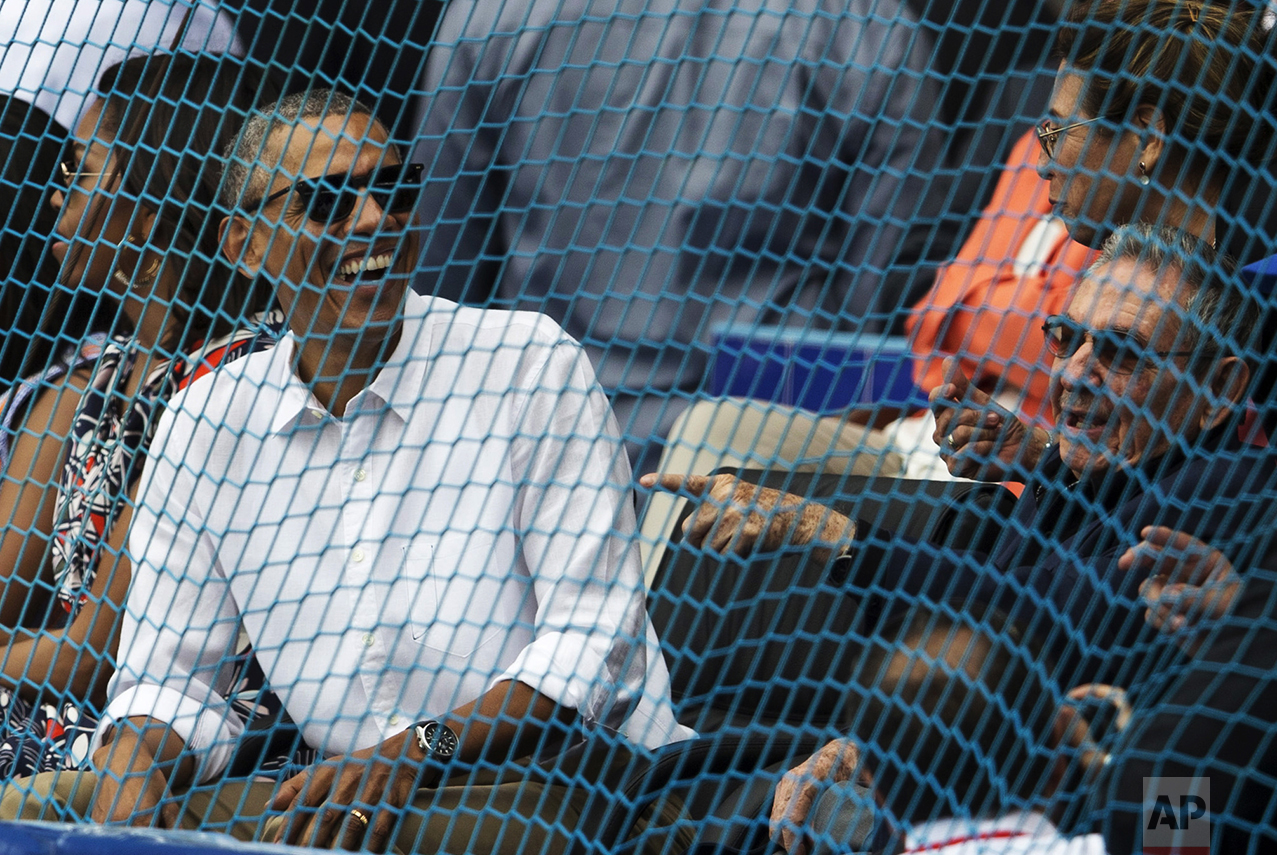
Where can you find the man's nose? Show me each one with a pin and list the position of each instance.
(368, 215)
(1046, 165)
(1078, 369)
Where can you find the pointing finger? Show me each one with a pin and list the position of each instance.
(694, 484)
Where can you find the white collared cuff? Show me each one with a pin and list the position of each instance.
(205, 732)
(544, 666)
(560, 666)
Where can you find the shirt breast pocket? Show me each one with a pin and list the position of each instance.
(460, 602)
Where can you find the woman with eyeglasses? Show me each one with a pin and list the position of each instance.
(137, 230)
(1152, 120)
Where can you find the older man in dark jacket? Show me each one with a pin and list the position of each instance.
(1148, 392)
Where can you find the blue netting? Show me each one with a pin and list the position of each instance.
(663, 395)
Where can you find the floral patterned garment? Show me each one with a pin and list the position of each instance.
(14, 401)
(52, 736)
(43, 738)
(108, 445)
(110, 437)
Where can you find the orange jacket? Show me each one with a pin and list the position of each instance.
(989, 302)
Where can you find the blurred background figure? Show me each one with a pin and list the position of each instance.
(644, 170)
(372, 51)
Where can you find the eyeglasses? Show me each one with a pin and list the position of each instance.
(1118, 351)
(330, 198)
(1047, 134)
(69, 170)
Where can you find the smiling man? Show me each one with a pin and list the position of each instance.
(1148, 390)
(417, 512)
(1148, 386)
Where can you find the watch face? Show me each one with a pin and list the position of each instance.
(436, 739)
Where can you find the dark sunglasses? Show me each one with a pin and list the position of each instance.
(333, 197)
(1119, 352)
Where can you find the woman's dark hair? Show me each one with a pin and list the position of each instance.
(1203, 65)
(170, 116)
(31, 143)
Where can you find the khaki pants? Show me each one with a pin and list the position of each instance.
(505, 812)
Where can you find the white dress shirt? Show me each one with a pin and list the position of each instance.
(468, 521)
(52, 52)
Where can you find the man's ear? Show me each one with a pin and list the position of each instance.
(1228, 383)
(236, 238)
(1150, 124)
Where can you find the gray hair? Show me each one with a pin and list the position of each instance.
(249, 158)
(1211, 303)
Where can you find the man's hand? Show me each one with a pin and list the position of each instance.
(978, 438)
(133, 779)
(742, 517)
(324, 802)
(1073, 729)
(1188, 581)
(798, 790)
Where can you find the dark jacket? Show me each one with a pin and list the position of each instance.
(1054, 569)
(1215, 717)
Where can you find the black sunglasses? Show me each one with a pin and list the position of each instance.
(1118, 351)
(333, 197)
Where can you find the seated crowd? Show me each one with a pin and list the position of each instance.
(300, 555)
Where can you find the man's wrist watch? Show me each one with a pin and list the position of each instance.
(440, 744)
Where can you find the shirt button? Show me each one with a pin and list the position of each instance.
(369, 639)
(395, 718)
(319, 414)
(357, 556)
(360, 474)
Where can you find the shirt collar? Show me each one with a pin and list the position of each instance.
(398, 383)
(400, 380)
(294, 399)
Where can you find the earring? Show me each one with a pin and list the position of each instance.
(1144, 179)
(140, 280)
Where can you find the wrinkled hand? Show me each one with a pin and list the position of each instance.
(1076, 730)
(377, 781)
(1072, 729)
(1189, 581)
(735, 515)
(798, 790)
(131, 786)
(979, 438)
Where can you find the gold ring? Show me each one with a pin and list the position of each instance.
(359, 815)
